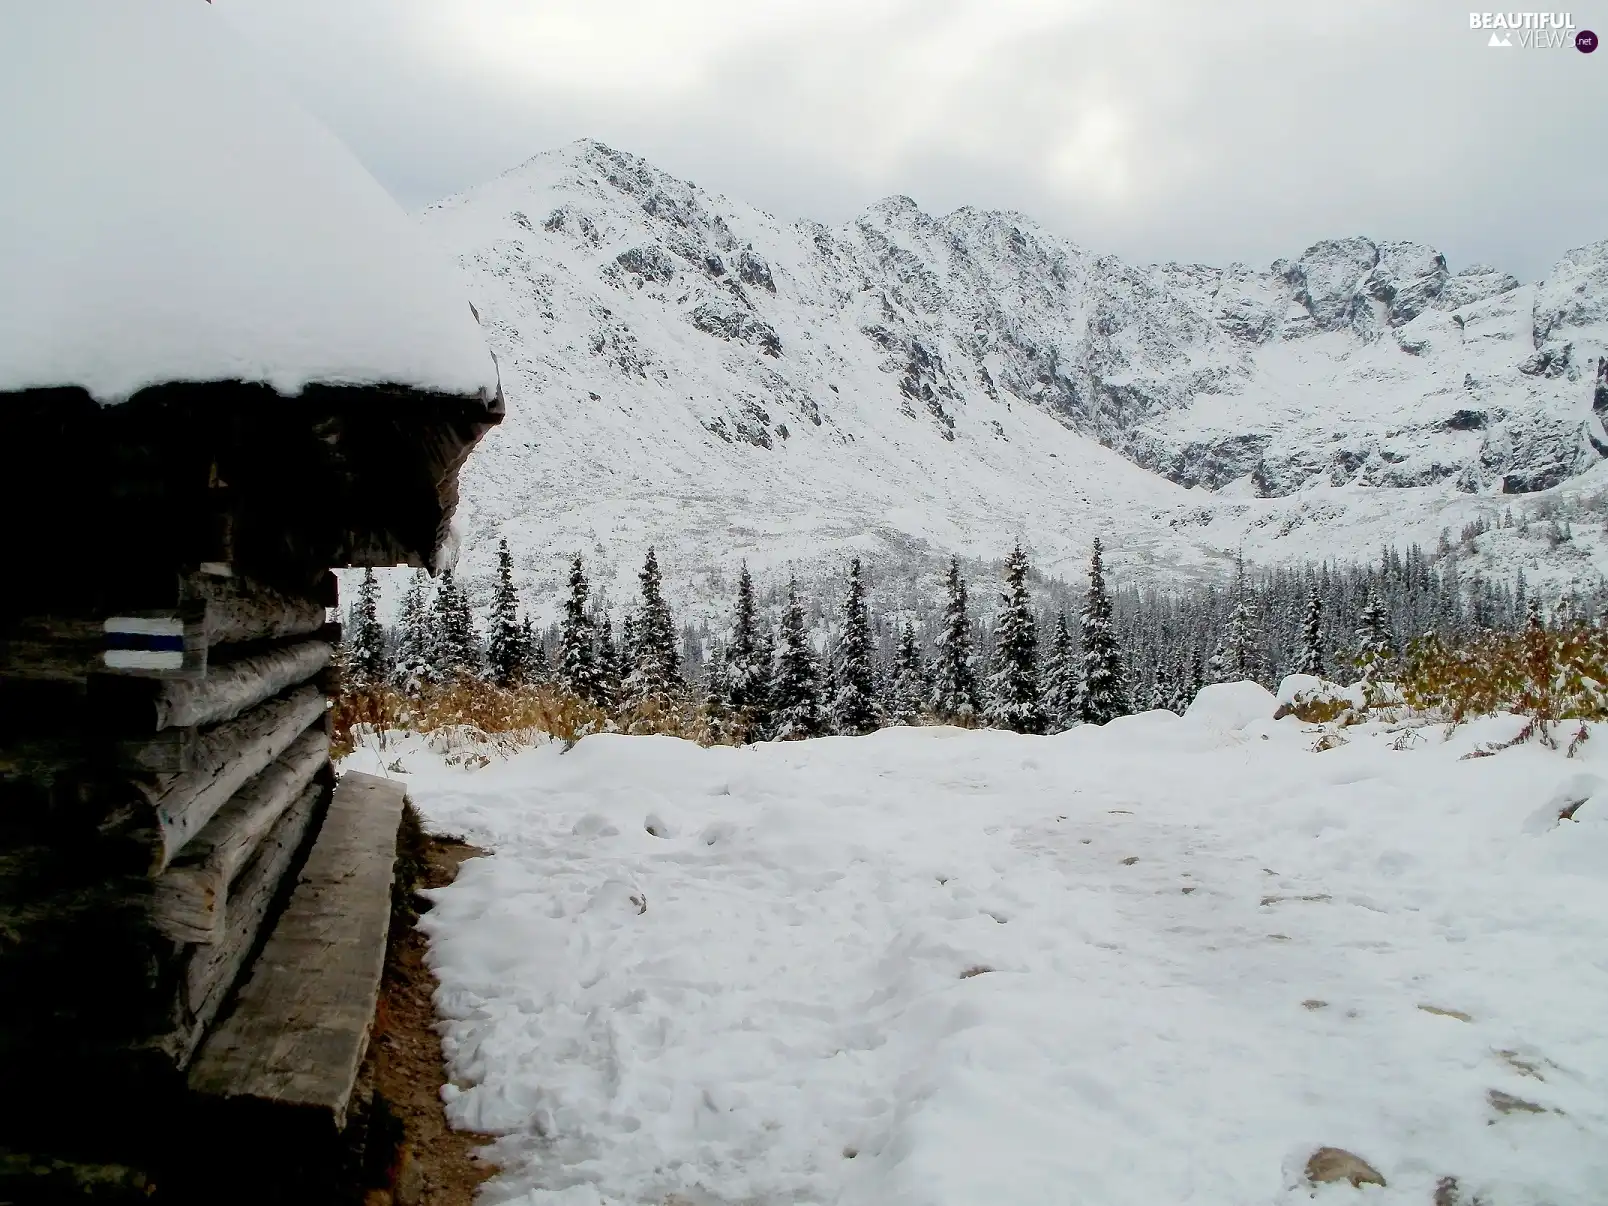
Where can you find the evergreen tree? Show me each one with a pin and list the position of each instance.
(1062, 680)
(908, 688)
(1161, 692)
(1104, 696)
(762, 713)
(365, 654)
(607, 658)
(954, 681)
(1183, 688)
(746, 675)
(577, 643)
(854, 703)
(1309, 659)
(415, 665)
(536, 669)
(457, 645)
(505, 644)
(1013, 688)
(656, 672)
(796, 689)
(1242, 660)
(1374, 648)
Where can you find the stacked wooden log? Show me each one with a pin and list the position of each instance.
(160, 774)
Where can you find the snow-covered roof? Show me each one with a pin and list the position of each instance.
(167, 214)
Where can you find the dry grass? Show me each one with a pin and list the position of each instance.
(472, 715)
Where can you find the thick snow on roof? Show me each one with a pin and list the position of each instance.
(166, 214)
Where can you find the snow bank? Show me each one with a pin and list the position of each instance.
(1150, 962)
(168, 215)
(1232, 706)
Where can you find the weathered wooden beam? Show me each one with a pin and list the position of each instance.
(214, 968)
(227, 757)
(298, 1029)
(228, 690)
(189, 902)
(239, 610)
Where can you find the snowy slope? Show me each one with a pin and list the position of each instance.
(1159, 961)
(684, 369)
(169, 215)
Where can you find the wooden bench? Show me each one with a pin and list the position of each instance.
(295, 1037)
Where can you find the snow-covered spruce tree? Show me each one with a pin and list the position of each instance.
(1242, 638)
(855, 709)
(1309, 657)
(505, 642)
(366, 658)
(577, 642)
(745, 676)
(796, 687)
(1161, 692)
(536, 669)
(607, 657)
(1183, 684)
(457, 644)
(415, 645)
(656, 668)
(1013, 687)
(1375, 651)
(954, 679)
(907, 691)
(1062, 678)
(1104, 696)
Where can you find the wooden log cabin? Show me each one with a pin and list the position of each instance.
(228, 363)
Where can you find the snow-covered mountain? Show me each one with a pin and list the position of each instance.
(686, 370)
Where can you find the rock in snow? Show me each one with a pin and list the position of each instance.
(169, 215)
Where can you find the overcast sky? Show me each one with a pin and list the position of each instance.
(1155, 129)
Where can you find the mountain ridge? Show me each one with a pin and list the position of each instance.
(687, 370)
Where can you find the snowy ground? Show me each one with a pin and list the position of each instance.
(1158, 962)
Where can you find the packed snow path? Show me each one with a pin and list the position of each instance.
(1161, 961)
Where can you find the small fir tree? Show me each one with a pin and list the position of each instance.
(1013, 688)
(536, 670)
(415, 663)
(366, 656)
(745, 676)
(1242, 658)
(457, 644)
(954, 680)
(1375, 652)
(795, 695)
(1104, 696)
(908, 688)
(854, 702)
(1062, 679)
(608, 665)
(656, 670)
(577, 642)
(505, 643)
(1309, 658)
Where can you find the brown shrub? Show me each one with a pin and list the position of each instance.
(1544, 674)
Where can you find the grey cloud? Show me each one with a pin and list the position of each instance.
(1162, 129)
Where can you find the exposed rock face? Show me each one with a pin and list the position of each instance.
(1359, 362)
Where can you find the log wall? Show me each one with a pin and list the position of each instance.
(149, 822)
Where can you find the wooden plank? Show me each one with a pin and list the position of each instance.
(188, 904)
(228, 690)
(227, 757)
(213, 969)
(300, 1025)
